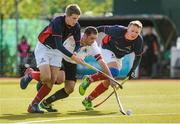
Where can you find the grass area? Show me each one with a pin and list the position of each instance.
(152, 101)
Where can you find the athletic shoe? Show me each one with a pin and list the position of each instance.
(38, 85)
(26, 79)
(84, 85)
(47, 107)
(87, 104)
(34, 108)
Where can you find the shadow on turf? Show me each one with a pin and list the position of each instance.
(25, 116)
(89, 113)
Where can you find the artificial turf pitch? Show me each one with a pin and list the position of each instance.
(152, 101)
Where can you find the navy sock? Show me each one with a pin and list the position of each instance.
(60, 94)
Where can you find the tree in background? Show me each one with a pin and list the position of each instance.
(43, 8)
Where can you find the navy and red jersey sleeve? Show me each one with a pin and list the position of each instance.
(138, 47)
(111, 30)
(138, 50)
(45, 33)
(77, 36)
(57, 26)
(98, 57)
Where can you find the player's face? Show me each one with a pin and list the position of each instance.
(132, 32)
(72, 20)
(89, 40)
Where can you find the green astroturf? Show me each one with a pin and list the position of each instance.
(152, 101)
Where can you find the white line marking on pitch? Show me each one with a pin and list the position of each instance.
(87, 117)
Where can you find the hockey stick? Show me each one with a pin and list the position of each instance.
(123, 81)
(112, 79)
(121, 109)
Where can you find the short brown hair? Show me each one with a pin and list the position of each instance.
(90, 30)
(73, 9)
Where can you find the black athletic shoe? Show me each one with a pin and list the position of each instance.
(47, 107)
(34, 108)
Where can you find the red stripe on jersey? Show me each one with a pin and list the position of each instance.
(106, 39)
(45, 34)
(98, 57)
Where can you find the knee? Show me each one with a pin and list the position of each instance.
(60, 77)
(60, 80)
(114, 71)
(46, 78)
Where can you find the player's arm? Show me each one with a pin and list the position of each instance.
(61, 48)
(96, 52)
(77, 36)
(110, 30)
(136, 62)
(104, 67)
(57, 34)
(138, 50)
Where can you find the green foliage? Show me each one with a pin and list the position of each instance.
(7, 8)
(8, 63)
(46, 8)
(28, 27)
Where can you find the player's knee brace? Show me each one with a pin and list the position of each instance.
(114, 71)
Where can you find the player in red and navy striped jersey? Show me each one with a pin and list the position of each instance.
(118, 42)
(49, 52)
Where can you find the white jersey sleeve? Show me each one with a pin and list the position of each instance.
(94, 49)
(85, 51)
(69, 44)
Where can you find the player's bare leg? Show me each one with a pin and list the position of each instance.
(101, 88)
(60, 94)
(87, 80)
(48, 76)
(60, 80)
(46, 104)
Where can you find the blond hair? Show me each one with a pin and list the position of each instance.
(137, 23)
(73, 9)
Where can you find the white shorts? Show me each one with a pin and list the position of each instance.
(45, 55)
(109, 56)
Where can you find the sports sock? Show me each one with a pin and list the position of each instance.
(35, 75)
(60, 94)
(97, 76)
(43, 91)
(97, 91)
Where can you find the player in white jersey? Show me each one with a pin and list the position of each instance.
(90, 49)
(88, 42)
